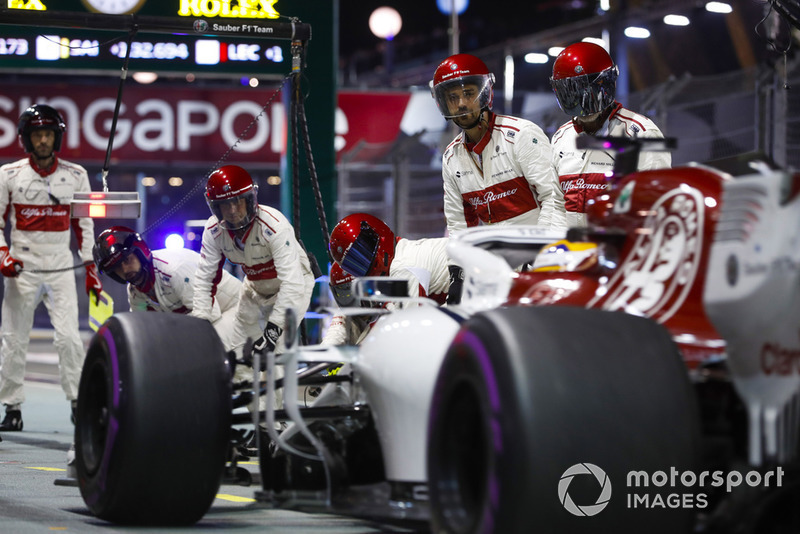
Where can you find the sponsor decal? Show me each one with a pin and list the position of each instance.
(779, 360)
(491, 196)
(44, 218)
(658, 272)
(44, 211)
(623, 203)
(580, 183)
(263, 271)
(222, 8)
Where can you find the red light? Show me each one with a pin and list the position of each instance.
(97, 210)
(97, 196)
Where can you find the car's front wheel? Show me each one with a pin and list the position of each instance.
(153, 419)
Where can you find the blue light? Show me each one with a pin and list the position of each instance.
(174, 241)
(445, 6)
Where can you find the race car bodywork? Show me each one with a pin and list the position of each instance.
(673, 352)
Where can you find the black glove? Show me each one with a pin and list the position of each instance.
(267, 342)
(456, 284)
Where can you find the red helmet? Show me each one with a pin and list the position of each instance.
(362, 245)
(114, 245)
(584, 79)
(457, 71)
(40, 117)
(231, 182)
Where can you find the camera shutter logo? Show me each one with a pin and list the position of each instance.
(602, 499)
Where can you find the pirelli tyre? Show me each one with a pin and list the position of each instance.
(153, 419)
(541, 417)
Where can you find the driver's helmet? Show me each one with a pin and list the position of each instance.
(584, 79)
(566, 256)
(227, 183)
(362, 245)
(114, 245)
(457, 71)
(341, 283)
(40, 117)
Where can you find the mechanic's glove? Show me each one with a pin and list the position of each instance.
(456, 284)
(94, 286)
(267, 342)
(9, 265)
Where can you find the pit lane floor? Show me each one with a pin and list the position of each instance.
(35, 499)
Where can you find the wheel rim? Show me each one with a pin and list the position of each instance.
(465, 459)
(94, 417)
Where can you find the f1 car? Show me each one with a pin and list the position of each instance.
(621, 389)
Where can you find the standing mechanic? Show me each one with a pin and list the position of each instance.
(259, 238)
(499, 169)
(363, 245)
(35, 195)
(163, 280)
(585, 80)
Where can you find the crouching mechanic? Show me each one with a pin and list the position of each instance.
(37, 263)
(364, 245)
(347, 330)
(163, 280)
(262, 241)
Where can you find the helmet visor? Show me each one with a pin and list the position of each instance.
(586, 94)
(463, 96)
(231, 214)
(361, 255)
(343, 295)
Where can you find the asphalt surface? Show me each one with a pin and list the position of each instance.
(36, 496)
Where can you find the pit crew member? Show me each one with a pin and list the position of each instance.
(261, 240)
(342, 329)
(37, 264)
(499, 169)
(163, 280)
(584, 80)
(363, 245)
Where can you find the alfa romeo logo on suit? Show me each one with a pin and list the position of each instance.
(602, 499)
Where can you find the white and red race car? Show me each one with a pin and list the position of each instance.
(642, 376)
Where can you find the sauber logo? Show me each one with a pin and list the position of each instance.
(491, 197)
(658, 273)
(779, 360)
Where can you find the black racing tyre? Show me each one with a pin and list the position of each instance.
(153, 419)
(529, 399)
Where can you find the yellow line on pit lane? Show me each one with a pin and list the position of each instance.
(46, 468)
(234, 498)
